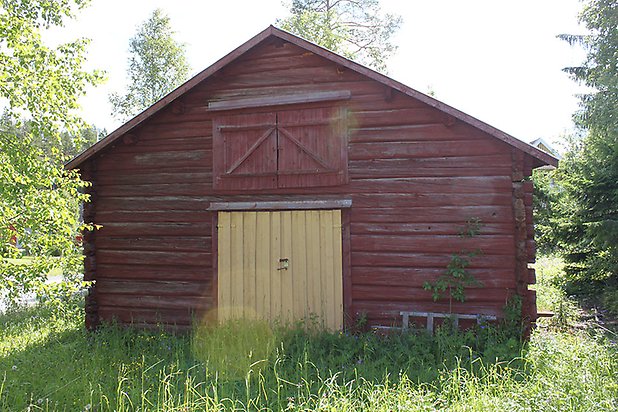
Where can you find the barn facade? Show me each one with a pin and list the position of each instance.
(287, 182)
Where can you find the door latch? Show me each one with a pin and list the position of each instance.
(284, 264)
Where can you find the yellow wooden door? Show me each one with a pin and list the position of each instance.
(281, 265)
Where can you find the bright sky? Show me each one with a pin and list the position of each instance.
(497, 60)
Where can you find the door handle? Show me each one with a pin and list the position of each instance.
(284, 264)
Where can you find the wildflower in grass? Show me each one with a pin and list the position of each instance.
(14, 367)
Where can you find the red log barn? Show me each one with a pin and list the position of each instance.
(288, 182)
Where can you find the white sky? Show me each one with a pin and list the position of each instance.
(497, 60)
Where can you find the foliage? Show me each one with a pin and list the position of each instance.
(355, 28)
(48, 362)
(454, 280)
(588, 229)
(38, 198)
(546, 201)
(550, 294)
(457, 277)
(157, 65)
(65, 146)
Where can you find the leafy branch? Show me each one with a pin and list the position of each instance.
(457, 277)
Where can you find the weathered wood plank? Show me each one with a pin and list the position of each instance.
(282, 205)
(436, 162)
(146, 257)
(387, 310)
(138, 242)
(402, 150)
(278, 100)
(141, 316)
(379, 293)
(394, 199)
(494, 244)
(356, 171)
(394, 117)
(427, 228)
(415, 276)
(153, 287)
(427, 260)
(154, 272)
(156, 302)
(444, 214)
(156, 177)
(182, 216)
(195, 158)
(156, 229)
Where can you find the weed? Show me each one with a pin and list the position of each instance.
(60, 367)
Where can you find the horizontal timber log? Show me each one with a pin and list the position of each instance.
(145, 271)
(285, 77)
(484, 194)
(145, 257)
(495, 245)
(200, 303)
(156, 189)
(109, 216)
(204, 142)
(357, 172)
(155, 243)
(154, 177)
(259, 63)
(445, 214)
(403, 150)
(406, 133)
(171, 203)
(415, 199)
(153, 142)
(367, 208)
(385, 309)
(389, 293)
(435, 162)
(146, 316)
(426, 229)
(153, 287)
(356, 87)
(195, 158)
(157, 229)
(426, 260)
(415, 277)
(149, 132)
(375, 118)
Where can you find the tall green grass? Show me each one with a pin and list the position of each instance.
(48, 363)
(550, 292)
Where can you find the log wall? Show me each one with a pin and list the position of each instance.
(416, 176)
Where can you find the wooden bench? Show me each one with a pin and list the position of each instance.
(432, 315)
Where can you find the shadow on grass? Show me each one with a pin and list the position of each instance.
(51, 362)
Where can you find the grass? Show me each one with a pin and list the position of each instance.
(48, 363)
(550, 294)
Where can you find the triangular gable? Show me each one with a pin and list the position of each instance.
(539, 155)
(546, 147)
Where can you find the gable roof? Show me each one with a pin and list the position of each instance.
(271, 31)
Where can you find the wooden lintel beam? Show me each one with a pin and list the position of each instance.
(279, 100)
(291, 205)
